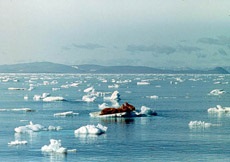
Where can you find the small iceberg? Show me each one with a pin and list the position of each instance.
(17, 142)
(219, 109)
(200, 124)
(217, 92)
(54, 147)
(91, 129)
(65, 114)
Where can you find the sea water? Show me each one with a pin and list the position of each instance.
(178, 99)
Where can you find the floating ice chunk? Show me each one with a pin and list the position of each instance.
(115, 96)
(64, 114)
(55, 89)
(90, 89)
(44, 95)
(54, 146)
(219, 109)
(88, 98)
(22, 109)
(31, 88)
(17, 142)
(74, 84)
(147, 111)
(91, 129)
(26, 97)
(53, 98)
(18, 109)
(72, 150)
(113, 86)
(153, 97)
(217, 92)
(143, 83)
(34, 128)
(53, 128)
(115, 103)
(103, 105)
(200, 124)
(12, 88)
(37, 97)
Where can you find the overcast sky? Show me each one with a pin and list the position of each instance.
(155, 33)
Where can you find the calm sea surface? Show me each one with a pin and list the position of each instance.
(178, 99)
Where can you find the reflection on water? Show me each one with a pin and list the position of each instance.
(118, 120)
(89, 138)
(54, 157)
(32, 136)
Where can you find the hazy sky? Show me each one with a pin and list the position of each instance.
(156, 33)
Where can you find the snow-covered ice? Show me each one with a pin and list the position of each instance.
(91, 129)
(54, 146)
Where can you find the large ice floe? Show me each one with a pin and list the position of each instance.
(125, 110)
(219, 109)
(91, 129)
(35, 128)
(55, 147)
(200, 124)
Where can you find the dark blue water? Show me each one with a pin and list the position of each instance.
(166, 137)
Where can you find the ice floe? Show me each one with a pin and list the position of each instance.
(153, 97)
(219, 109)
(17, 142)
(18, 109)
(65, 114)
(143, 83)
(91, 129)
(89, 98)
(35, 128)
(13, 88)
(217, 92)
(88, 90)
(53, 98)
